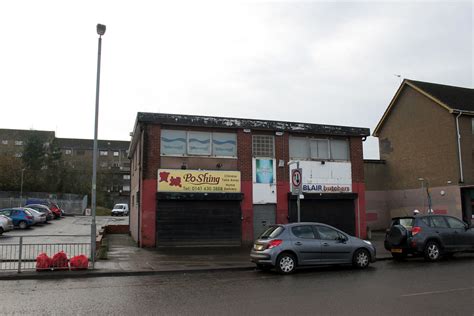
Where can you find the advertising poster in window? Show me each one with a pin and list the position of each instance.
(264, 170)
(198, 181)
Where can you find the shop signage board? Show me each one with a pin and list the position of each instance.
(197, 181)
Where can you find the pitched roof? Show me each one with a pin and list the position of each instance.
(453, 99)
(456, 98)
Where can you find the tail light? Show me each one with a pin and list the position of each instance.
(29, 217)
(274, 243)
(415, 230)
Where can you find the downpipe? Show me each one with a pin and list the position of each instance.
(459, 148)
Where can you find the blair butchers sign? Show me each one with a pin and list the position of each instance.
(327, 188)
(177, 180)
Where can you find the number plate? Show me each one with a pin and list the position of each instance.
(397, 250)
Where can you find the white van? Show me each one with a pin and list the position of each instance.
(120, 210)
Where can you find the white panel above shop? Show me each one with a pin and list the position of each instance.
(325, 176)
(264, 180)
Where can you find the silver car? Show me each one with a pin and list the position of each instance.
(6, 224)
(285, 247)
(38, 217)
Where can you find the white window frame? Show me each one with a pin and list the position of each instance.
(103, 153)
(116, 154)
(5, 142)
(18, 142)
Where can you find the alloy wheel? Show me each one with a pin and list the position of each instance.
(287, 264)
(433, 251)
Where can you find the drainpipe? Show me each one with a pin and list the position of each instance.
(459, 147)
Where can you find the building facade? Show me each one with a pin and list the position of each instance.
(426, 154)
(211, 180)
(76, 157)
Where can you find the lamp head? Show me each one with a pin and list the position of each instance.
(101, 29)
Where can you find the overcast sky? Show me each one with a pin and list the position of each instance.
(316, 62)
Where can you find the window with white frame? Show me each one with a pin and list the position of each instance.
(199, 143)
(306, 148)
(126, 188)
(68, 152)
(126, 177)
(116, 153)
(18, 142)
(103, 152)
(263, 146)
(18, 155)
(4, 142)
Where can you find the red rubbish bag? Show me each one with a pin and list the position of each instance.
(43, 262)
(80, 262)
(59, 261)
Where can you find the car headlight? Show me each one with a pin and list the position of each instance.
(367, 242)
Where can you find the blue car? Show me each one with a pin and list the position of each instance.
(20, 217)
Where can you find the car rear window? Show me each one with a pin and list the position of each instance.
(405, 222)
(271, 232)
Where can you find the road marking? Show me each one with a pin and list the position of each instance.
(439, 292)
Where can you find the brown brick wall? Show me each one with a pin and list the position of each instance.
(418, 139)
(151, 151)
(282, 153)
(357, 162)
(244, 153)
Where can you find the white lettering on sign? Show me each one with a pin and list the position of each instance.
(327, 188)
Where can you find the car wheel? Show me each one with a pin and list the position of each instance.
(286, 263)
(361, 259)
(432, 251)
(399, 256)
(1, 230)
(22, 225)
(263, 267)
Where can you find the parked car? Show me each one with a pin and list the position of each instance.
(285, 247)
(55, 212)
(38, 217)
(430, 236)
(120, 210)
(6, 224)
(43, 209)
(54, 207)
(20, 217)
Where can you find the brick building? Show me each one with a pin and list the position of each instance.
(426, 154)
(212, 180)
(113, 162)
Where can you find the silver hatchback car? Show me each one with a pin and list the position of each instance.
(285, 247)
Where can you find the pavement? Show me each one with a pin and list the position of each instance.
(125, 258)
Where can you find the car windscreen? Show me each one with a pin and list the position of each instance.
(118, 207)
(271, 232)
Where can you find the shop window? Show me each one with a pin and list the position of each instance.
(199, 143)
(299, 148)
(224, 144)
(173, 142)
(339, 149)
(319, 148)
(263, 146)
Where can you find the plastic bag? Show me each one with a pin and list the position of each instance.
(80, 262)
(43, 262)
(59, 261)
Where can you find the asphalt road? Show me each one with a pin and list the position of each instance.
(387, 288)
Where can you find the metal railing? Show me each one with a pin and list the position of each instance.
(19, 253)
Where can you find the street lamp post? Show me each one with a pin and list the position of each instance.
(100, 31)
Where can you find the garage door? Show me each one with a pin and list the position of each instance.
(335, 212)
(181, 222)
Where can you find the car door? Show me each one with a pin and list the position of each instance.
(9, 214)
(335, 247)
(443, 231)
(308, 248)
(463, 238)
